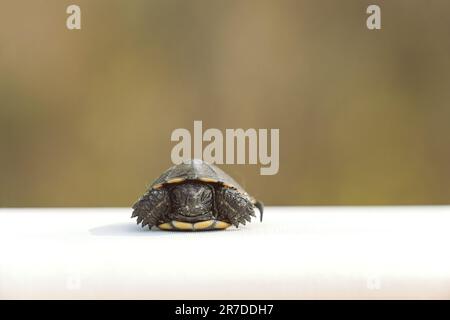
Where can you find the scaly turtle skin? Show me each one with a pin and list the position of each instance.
(195, 195)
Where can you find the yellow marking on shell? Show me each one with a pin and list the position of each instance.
(208, 180)
(175, 180)
(165, 226)
(182, 225)
(203, 224)
(221, 225)
(227, 185)
(157, 186)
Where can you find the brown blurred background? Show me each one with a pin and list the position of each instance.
(86, 116)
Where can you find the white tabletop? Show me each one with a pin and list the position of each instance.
(296, 253)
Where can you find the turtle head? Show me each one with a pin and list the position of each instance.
(192, 201)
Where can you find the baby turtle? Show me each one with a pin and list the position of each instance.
(195, 195)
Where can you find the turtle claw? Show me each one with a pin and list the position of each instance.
(151, 207)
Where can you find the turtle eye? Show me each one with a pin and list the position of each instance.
(206, 196)
(178, 197)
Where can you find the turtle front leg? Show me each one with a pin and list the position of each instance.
(233, 207)
(152, 207)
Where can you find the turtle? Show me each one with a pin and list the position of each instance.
(195, 195)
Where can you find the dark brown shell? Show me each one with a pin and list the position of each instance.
(197, 170)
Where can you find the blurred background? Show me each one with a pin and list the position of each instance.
(86, 116)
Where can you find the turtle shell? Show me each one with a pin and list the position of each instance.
(199, 170)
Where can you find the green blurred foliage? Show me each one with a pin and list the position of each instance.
(86, 116)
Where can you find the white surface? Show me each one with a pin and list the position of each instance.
(303, 252)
